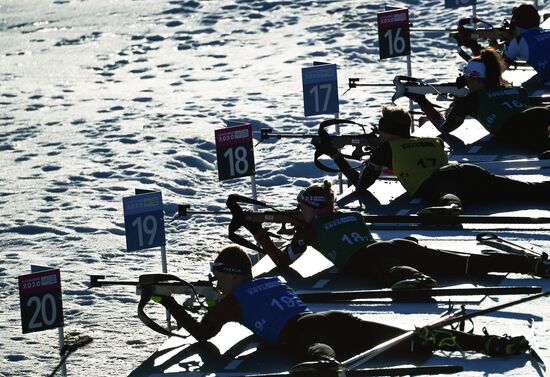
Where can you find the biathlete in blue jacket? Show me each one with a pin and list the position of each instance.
(273, 311)
(503, 110)
(531, 43)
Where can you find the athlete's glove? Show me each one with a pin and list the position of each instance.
(165, 301)
(251, 226)
(460, 81)
(157, 299)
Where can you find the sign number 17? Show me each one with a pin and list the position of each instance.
(315, 92)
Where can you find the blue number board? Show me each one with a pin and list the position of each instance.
(459, 3)
(320, 87)
(144, 221)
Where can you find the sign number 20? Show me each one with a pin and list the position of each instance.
(41, 309)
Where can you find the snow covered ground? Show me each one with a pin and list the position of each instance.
(99, 97)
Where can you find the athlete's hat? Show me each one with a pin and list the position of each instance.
(395, 121)
(525, 16)
(234, 260)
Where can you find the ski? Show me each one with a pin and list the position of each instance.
(534, 350)
(445, 320)
(391, 371)
(411, 294)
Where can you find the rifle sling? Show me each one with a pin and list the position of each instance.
(145, 298)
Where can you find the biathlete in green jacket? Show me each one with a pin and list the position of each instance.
(344, 239)
(274, 312)
(421, 165)
(503, 110)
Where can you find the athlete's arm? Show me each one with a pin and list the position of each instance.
(517, 49)
(227, 310)
(457, 112)
(303, 237)
(380, 158)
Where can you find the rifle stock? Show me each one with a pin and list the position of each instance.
(336, 141)
(161, 285)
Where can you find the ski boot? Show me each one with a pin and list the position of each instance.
(435, 339)
(448, 210)
(324, 367)
(542, 266)
(494, 345)
(409, 278)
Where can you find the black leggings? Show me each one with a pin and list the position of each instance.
(472, 183)
(342, 335)
(529, 129)
(375, 261)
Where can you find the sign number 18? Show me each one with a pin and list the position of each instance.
(238, 163)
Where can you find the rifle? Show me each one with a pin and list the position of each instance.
(469, 32)
(149, 285)
(362, 143)
(406, 84)
(289, 219)
(239, 216)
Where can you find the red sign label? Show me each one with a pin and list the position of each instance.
(39, 282)
(393, 18)
(233, 135)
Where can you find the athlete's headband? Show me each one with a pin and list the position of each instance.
(314, 201)
(475, 69)
(222, 267)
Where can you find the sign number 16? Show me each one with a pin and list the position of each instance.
(396, 43)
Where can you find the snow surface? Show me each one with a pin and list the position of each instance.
(99, 97)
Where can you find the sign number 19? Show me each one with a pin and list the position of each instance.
(145, 226)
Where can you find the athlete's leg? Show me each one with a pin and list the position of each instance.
(472, 183)
(529, 128)
(377, 260)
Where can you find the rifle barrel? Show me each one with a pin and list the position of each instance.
(291, 135)
(431, 30)
(410, 219)
(462, 219)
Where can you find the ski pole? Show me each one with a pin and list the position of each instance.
(492, 239)
(411, 294)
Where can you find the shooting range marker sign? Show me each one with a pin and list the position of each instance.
(394, 38)
(235, 152)
(40, 301)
